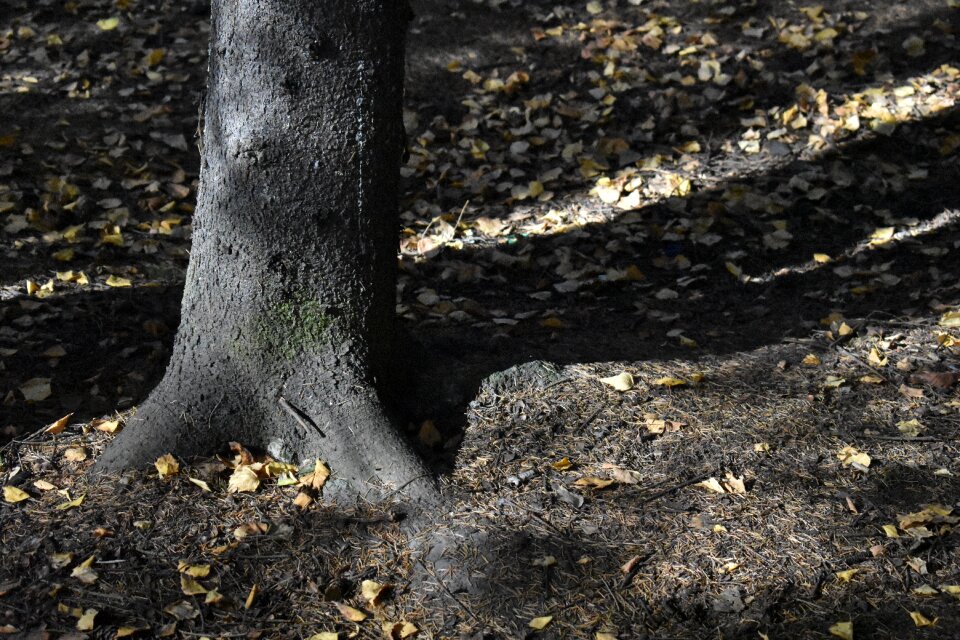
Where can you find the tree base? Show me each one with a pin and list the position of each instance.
(355, 437)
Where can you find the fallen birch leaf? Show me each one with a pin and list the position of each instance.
(58, 426)
(243, 479)
(14, 495)
(921, 620)
(843, 630)
(167, 466)
(349, 613)
(621, 382)
(540, 623)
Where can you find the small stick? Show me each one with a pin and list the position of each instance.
(302, 419)
(675, 487)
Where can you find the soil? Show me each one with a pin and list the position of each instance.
(740, 499)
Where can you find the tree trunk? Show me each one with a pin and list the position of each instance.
(288, 310)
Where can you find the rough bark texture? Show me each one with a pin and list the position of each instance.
(288, 309)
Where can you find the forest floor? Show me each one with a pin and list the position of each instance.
(684, 287)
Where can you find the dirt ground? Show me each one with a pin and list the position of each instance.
(680, 289)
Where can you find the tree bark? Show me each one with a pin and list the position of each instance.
(288, 310)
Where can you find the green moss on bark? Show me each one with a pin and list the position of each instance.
(293, 327)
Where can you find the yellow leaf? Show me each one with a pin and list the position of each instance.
(126, 632)
(191, 587)
(621, 382)
(952, 589)
(712, 485)
(117, 281)
(562, 465)
(811, 360)
(594, 483)
(844, 576)
(84, 571)
(374, 592)
(58, 426)
(669, 382)
(921, 620)
(821, 258)
(540, 623)
(75, 454)
(318, 477)
(891, 531)
(351, 614)
(200, 483)
(70, 504)
(155, 57)
(86, 623)
(167, 466)
(325, 635)
(876, 358)
(254, 591)
(871, 378)
(761, 447)
(882, 235)
(108, 24)
(243, 478)
(950, 319)
(925, 591)
(843, 630)
(400, 630)
(14, 495)
(194, 570)
(850, 455)
(107, 426)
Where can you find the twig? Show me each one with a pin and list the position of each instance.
(302, 419)
(675, 487)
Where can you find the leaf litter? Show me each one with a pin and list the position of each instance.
(624, 183)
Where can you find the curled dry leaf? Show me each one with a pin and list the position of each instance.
(842, 630)
(540, 623)
(374, 592)
(349, 613)
(243, 479)
(59, 425)
(14, 495)
(621, 382)
(167, 466)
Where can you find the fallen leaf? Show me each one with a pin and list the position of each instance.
(108, 24)
(75, 454)
(594, 483)
(36, 389)
(811, 360)
(925, 591)
(891, 531)
(251, 596)
(86, 621)
(910, 392)
(190, 586)
(243, 479)
(14, 495)
(374, 592)
(843, 630)
(540, 623)
(167, 466)
(400, 630)
(936, 379)
(70, 504)
(669, 382)
(200, 483)
(621, 382)
(921, 620)
(318, 477)
(349, 613)
(562, 464)
(193, 570)
(712, 485)
(850, 455)
(58, 426)
(84, 571)
(845, 575)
